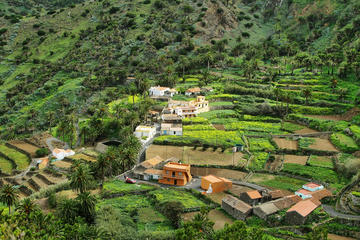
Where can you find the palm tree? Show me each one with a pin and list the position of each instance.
(26, 207)
(8, 195)
(307, 93)
(277, 93)
(184, 63)
(67, 210)
(87, 205)
(81, 178)
(103, 164)
(334, 83)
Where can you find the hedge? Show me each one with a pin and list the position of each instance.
(319, 124)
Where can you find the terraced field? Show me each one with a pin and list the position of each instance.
(20, 159)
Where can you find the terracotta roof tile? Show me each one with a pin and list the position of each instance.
(305, 207)
(312, 185)
(254, 194)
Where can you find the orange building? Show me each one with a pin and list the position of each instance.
(218, 184)
(176, 174)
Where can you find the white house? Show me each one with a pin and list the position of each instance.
(60, 154)
(145, 131)
(312, 187)
(162, 91)
(171, 129)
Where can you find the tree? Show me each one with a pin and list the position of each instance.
(81, 178)
(184, 64)
(86, 206)
(239, 230)
(173, 210)
(334, 83)
(318, 233)
(208, 58)
(26, 207)
(8, 195)
(277, 93)
(103, 165)
(307, 94)
(67, 210)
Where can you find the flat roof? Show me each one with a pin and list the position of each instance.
(177, 166)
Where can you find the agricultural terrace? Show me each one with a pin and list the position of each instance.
(256, 115)
(21, 160)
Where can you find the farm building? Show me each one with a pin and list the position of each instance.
(312, 187)
(297, 214)
(218, 184)
(176, 174)
(193, 91)
(171, 129)
(162, 92)
(60, 154)
(303, 193)
(323, 193)
(43, 162)
(287, 201)
(236, 208)
(201, 104)
(264, 210)
(152, 163)
(145, 131)
(186, 112)
(251, 197)
(152, 174)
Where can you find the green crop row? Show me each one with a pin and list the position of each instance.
(259, 160)
(20, 159)
(356, 133)
(319, 173)
(321, 161)
(195, 120)
(319, 124)
(118, 186)
(260, 118)
(198, 127)
(260, 144)
(186, 198)
(304, 143)
(344, 143)
(274, 128)
(219, 114)
(224, 139)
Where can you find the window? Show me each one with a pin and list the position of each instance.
(174, 132)
(168, 179)
(167, 172)
(173, 174)
(180, 173)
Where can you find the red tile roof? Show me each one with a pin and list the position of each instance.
(312, 185)
(254, 194)
(304, 191)
(305, 207)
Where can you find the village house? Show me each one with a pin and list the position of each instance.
(251, 197)
(303, 193)
(311, 190)
(171, 129)
(312, 187)
(235, 207)
(162, 92)
(266, 209)
(276, 194)
(60, 154)
(187, 109)
(193, 91)
(217, 184)
(153, 163)
(145, 131)
(297, 214)
(176, 174)
(170, 118)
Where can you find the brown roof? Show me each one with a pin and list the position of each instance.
(267, 208)
(320, 194)
(152, 162)
(153, 171)
(171, 117)
(283, 203)
(196, 89)
(312, 185)
(305, 207)
(276, 194)
(237, 203)
(212, 178)
(254, 194)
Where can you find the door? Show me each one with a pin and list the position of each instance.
(175, 182)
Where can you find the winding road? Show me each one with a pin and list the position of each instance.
(331, 211)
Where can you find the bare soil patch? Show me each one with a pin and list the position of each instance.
(29, 148)
(219, 126)
(40, 182)
(306, 130)
(225, 173)
(337, 237)
(84, 157)
(197, 156)
(217, 197)
(40, 139)
(295, 159)
(259, 177)
(323, 145)
(238, 189)
(62, 164)
(284, 143)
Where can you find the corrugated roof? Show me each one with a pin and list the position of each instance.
(305, 207)
(254, 194)
(237, 204)
(152, 162)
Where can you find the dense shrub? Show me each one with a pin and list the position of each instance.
(42, 152)
(344, 143)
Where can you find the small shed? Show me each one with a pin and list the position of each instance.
(152, 163)
(236, 208)
(152, 174)
(218, 184)
(251, 197)
(323, 193)
(312, 187)
(297, 214)
(276, 194)
(264, 210)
